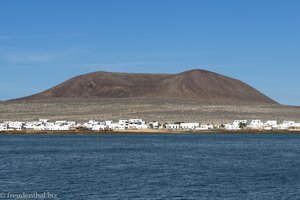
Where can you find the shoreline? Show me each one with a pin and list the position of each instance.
(150, 131)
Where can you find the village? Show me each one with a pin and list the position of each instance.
(140, 124)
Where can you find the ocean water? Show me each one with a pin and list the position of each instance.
(151, 166)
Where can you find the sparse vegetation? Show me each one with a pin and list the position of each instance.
(148, 109)
(242, 125)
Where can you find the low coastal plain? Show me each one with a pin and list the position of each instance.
(163, 110)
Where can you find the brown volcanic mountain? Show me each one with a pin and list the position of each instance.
(195, 84)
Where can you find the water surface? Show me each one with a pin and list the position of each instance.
(152, 166)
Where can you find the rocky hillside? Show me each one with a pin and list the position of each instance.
(192, 85)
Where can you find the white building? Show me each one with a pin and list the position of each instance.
(95, 125)
(235, 125)
(295, 126)
(107, 123)
(189, 126)
(154, 125)
(14, 125)
(123, 122)
(205, 127)
(286, 125)
(3, 127)
(173, 126)
(270, 125)
(232, 126)
(43, 120)
(136, 121)
(256, 124)
(129, 124)
(99, 127)
(137, 126)
(238, 122)
(116, 126)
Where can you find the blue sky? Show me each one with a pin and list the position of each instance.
(43, 43)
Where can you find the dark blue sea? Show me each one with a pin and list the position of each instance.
(151, 166)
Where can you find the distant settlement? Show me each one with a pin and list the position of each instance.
(139, 125)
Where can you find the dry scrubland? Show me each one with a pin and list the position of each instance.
(204, 97)
(148, 109)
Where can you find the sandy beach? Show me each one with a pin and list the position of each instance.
(156, 131)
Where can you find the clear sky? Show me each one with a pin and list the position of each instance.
(43, 43)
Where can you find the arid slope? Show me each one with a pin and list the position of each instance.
(196, 84)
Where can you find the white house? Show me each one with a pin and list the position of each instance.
(256, 124)
(286, 125)
(232, 126)
(173, 126)
(289, 123)
(189, 126)
(235, 125)
(116, 126)
(99, 127)
(137, 126)
(205, 127)
(3, 127)
(130, 124)
(123, 121)
(93, 125)
(238, 122)
(43, 120)
(107, 123)
(37, 125)
(154, 125)
(14, 125)
(136, 121)
(270, 125)
(296, 126)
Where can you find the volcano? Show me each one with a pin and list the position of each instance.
(195, 84)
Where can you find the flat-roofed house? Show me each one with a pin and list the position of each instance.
(189, 126)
